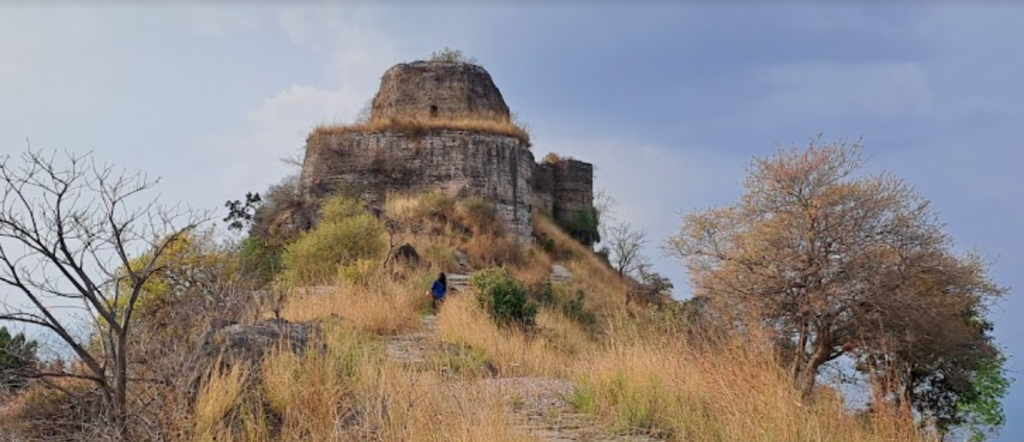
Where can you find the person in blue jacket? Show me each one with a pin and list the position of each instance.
(437, 291)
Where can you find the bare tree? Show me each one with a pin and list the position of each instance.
(69, 227)
(626, 248)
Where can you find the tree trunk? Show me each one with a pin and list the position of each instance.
(809, 372)
(798, 354)
(120, 404)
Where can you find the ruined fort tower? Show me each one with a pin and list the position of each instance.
(408, 146)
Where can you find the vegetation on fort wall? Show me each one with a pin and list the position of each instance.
(413, 127)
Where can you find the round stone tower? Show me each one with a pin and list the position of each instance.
(438, 89)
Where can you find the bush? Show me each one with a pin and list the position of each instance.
(340, 208)
(261, 260)
(504, 297)
(452, 55)
(343, 236)
(572, 307)
(584, 226)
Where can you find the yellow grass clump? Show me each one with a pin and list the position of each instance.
(733, 392)
(217, 397)
(513, 353)
(380, 305)
(349, 391)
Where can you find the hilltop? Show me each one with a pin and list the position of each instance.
(316, 323)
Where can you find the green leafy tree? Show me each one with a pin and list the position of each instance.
(980, 409)
(240, 215)
(17, 359)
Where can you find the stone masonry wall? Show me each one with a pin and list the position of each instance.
(564, 188)
(493, 167)
(434, 89)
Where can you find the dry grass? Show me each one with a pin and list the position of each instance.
(731, 393)
(217, 397)
(419, 406)
(489, 250)
(605, 290)
(351, 392)
(437, 224)
(635, 379)
(380, 306)
(512, 352)
(420, 127)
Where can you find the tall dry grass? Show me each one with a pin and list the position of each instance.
(604, 289)
(379, 304)
(217, 397)
(730, 392)
(348, 391)
(513, 352)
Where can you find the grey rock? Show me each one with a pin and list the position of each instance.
(238, 342)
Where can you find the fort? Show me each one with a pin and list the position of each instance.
(444, 125)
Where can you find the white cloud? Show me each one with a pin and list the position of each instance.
(352, 56)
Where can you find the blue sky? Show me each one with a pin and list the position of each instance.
(669, 101)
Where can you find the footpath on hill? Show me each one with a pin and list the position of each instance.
(537, 406)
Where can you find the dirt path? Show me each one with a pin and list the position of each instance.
(537, 406)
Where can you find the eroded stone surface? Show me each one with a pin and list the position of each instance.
(438, 89)
(493, 167)
(500, 169)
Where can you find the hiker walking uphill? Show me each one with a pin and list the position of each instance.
(438, 291)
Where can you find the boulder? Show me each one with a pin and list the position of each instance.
(407, 254)
(242, 342)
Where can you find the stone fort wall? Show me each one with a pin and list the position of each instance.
(497, 168)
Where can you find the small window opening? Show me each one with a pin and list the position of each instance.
(433, 111)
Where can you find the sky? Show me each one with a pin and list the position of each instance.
(668, 100)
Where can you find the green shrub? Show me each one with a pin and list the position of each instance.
(556, 297)
(261, 261)
(504, 297)
(584, 399)
(317, 254)
(452, 55)
(17, 358)
(584, 226)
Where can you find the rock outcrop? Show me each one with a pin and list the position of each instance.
(241, 342)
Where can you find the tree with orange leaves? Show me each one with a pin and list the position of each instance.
(839, 264)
